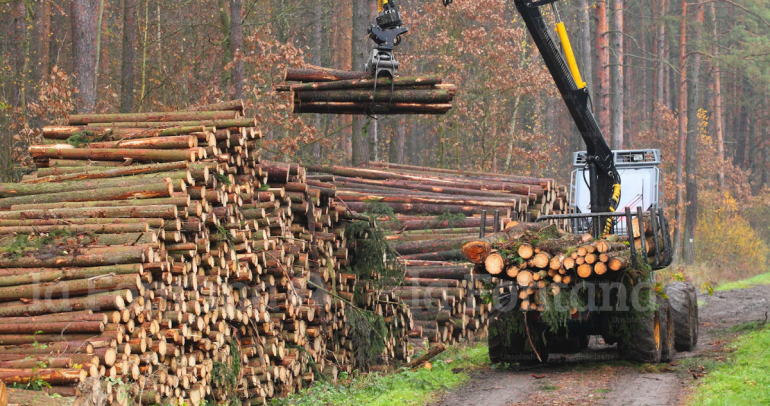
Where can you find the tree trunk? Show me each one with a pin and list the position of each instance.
(584, 15)
(616, 75)
(602, 67)
(227, 49)
(360, 53)
(236, 39)
(691, 216)
(717, 118)
(128, 69)
(682, 134)
(84, 21)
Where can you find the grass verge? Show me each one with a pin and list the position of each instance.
(404, 387)
(743, 379)
(763, 279)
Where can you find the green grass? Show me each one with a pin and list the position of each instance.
(743, 380)
(405, 387)
(763, 279)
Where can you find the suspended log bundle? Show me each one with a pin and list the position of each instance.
(162, 250)
(434, 213)
(327, 91)
(542, 262)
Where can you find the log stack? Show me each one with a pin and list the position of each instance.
(541, 261)
(161, 250)
(429, 214)
(327, 91)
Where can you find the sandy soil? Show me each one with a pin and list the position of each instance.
(595, 377)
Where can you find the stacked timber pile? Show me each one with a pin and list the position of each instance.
(160, 250)
(541, 261)
(328, 91)
(429, 214)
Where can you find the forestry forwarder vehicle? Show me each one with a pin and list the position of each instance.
(673, 322)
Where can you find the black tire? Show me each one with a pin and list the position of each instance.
(513, 347)
(644, 343)
(666, 330)
(684, 311)
(564, 345)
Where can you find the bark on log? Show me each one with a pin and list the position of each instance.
(155, 189)
(83, 258)
(362, 108)
(95, 154)
(38, 307)
(422, 247)
(75, 287)
(235, 105)
(80, 119)
(27, 276)
(139, 212)
(319, 74)
(384, 83)
(428, 96)
(457, 272)
(101, 173)
(52, 376)
(451, 255)
(436, 350)
(173, 142)
(53, 327)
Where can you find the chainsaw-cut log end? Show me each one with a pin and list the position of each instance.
(477, 251)
(494, 264)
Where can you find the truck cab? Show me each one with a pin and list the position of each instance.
(641, 186)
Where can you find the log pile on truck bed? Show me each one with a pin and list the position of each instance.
(160, 249)
(429, 214)
(328, 91)
(540, 260)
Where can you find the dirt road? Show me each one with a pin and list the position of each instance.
(597, 377)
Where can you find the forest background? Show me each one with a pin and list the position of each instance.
(687, 77)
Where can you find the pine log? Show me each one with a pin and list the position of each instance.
(80, 119)
(456, 272)
(422, 208)
(27, 276)
(235, 105)
(173, 142)
(384, 95)
(151, 190)
(51, 376)
(421, 247)
(138, 212)
(96, 154)
(451, 255)
(227, 123)
(319, 74)
(86, 228)
(424, 183)
(362, 108)
(435, 350)
(100, 172)
(402, 198)
(384, 83)
(180, 201)
(82, 258)
(53, 327)
(75, 287)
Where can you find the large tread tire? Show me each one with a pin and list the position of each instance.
(515, 350)
(666, 330)
(684, 309)
(644, 344)
(571, 345)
